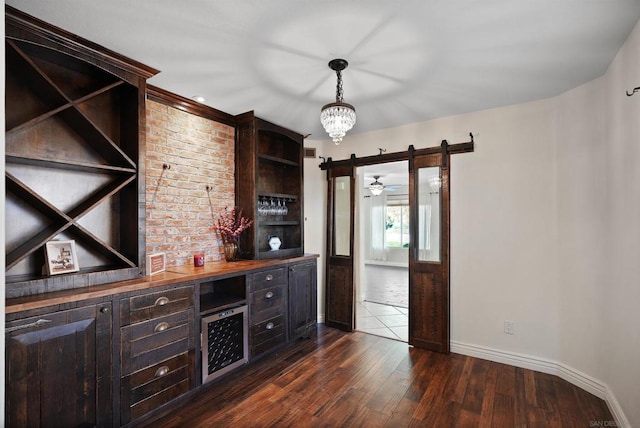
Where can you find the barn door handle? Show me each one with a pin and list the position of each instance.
(38, 323)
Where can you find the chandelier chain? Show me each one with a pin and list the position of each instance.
(339, 93)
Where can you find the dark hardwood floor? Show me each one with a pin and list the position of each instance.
(338, 379)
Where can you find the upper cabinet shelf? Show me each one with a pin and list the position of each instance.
(74, 142)
(284, 162)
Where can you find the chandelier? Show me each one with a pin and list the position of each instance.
(339, 117)
(376, 187)
(434, 183)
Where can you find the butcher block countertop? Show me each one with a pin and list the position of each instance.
(170, 276)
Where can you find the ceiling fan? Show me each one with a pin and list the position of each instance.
(376, 187)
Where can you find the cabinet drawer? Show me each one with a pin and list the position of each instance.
(268, 278)
(267, 303)
(267, 334)
(147, 389)
(156, 326)
(153, 305)
(140, 350)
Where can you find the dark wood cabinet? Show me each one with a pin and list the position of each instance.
(112, 354)
(157, 345)
(58, 367)
(74, 157)
(269, 187)
(267, 310)
(303, 300)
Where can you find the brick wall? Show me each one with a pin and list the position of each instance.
(180, 211)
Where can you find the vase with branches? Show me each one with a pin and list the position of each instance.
(230, 224)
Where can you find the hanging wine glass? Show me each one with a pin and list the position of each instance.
(260, 207)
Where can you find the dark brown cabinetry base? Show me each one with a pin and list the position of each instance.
(58, 367)
(303, 299)
(157, 345)
(112, 354)
(267, 309)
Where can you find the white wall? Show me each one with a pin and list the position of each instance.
(315, 209)
(502, 206)
(620, 348)
(598, 152)
(545, 225)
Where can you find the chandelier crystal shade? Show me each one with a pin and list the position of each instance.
(339, 117)
(376, 187)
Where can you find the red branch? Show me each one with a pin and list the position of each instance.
(231, 224)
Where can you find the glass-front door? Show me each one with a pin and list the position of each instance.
(429, 253)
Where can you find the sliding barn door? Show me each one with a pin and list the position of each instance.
(339, 278)
(429, 251)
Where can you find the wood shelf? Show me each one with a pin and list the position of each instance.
(278, 195)
(281, 253)
(67, 165)
(278, 223)
(210, 304)
(74, 137)
(223, 293)
(277, 160)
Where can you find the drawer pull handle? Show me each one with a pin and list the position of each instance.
(269, 277)
(162, 371)
(269, 295)
(38, 323)
(104, 310)
(161, 301)
(269, 326)
(161, 327)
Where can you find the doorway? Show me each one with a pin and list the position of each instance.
(382, 250)
(429, 204)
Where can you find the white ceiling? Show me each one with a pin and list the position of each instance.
(409, 61)
(390, 173)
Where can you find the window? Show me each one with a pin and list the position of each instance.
(397, 225)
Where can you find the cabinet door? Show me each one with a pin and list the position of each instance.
(302, 299)
(58, 368)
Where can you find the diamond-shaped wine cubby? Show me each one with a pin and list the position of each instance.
(74, 157)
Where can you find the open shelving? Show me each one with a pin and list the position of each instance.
(74, 144)
(220, 294)
(269, 166)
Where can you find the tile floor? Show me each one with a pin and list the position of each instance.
(383, 320)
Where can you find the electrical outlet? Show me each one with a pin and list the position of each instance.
(508, 327)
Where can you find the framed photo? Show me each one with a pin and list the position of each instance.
(156, 263)
(61, 257)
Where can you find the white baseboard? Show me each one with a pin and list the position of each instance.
(616, 410)
(577, 378)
